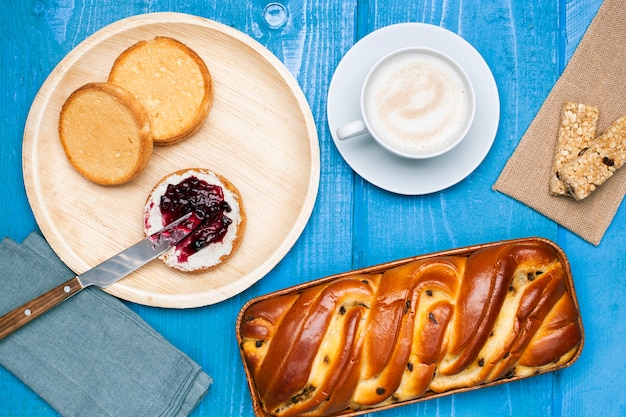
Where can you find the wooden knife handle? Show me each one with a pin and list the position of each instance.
(36, 307)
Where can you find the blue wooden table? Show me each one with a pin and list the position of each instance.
(354, 224)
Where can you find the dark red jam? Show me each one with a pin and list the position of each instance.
(206, 201)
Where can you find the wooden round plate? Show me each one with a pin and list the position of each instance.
(260, 134)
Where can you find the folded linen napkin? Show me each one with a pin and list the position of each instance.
(595, 75)
(91, 355)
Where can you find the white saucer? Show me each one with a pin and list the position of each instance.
(397, 174)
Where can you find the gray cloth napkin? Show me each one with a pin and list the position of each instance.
(91, 355)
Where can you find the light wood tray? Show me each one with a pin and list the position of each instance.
(568, 282)
(260, 134)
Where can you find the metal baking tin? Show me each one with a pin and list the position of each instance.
(464, 251)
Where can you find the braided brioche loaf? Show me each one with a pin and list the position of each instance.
(430, 326)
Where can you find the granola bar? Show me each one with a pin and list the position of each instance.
(605, 155)
(577, 130)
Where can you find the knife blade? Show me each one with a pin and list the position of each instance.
(102, 275)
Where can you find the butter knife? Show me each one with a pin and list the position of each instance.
(102, 275)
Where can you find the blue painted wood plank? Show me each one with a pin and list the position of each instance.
(469, 212)
(526, 44)
(586, 386)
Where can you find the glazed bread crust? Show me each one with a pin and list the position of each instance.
(432, 325)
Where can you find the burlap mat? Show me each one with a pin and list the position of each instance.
(595, 75)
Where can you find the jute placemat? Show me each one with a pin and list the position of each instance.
(595, 75)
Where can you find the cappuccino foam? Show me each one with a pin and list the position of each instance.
(416, 103)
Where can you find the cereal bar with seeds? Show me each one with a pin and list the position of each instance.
(577, 130)
(598, 163)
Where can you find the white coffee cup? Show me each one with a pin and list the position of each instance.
(416, 102)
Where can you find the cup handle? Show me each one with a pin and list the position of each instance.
(351, 130)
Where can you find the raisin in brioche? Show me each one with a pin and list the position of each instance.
(212, 198)
(105, 133)
(171, 81)
(429, 326)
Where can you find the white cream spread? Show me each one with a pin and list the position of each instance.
(215, 252)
